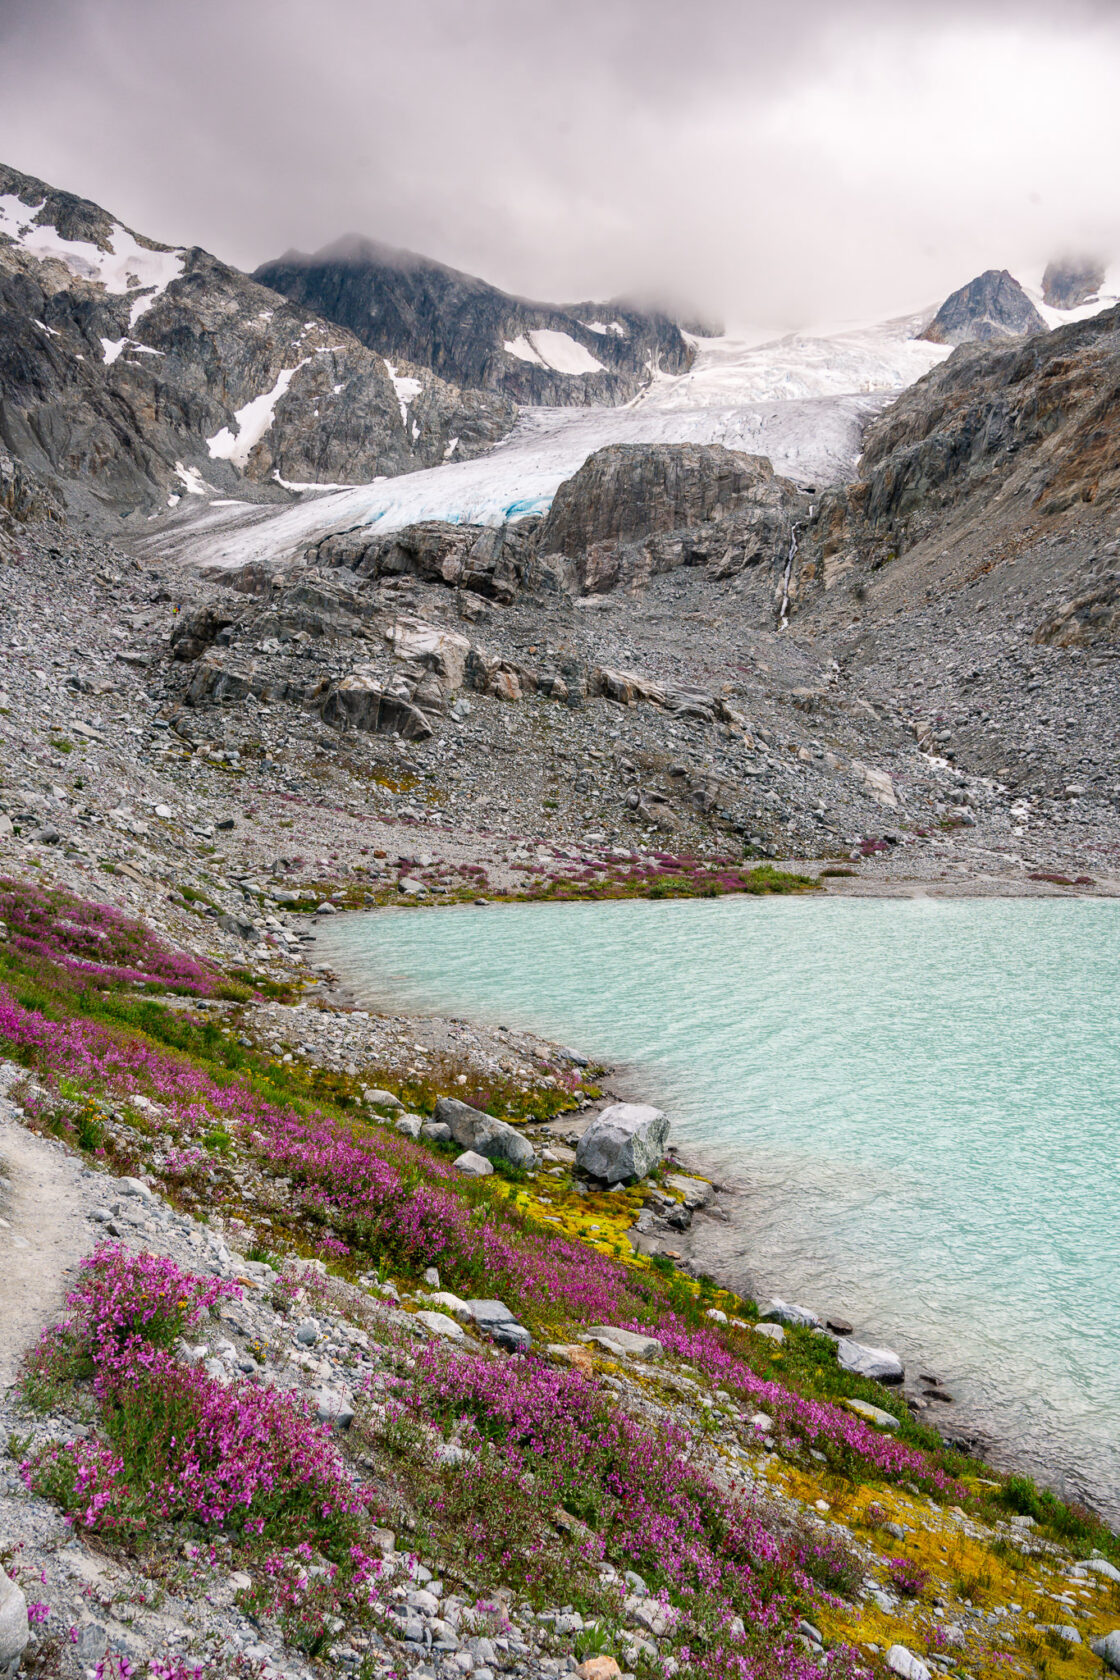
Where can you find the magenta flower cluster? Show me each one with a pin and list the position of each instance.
(96, 941)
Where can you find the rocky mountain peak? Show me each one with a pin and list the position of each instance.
(470, 332)
(992, 306)
(134, 374)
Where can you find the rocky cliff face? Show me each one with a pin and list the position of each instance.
(479, 337)
(634, 510)
(992, 306)
(984, 453)
(134, 373)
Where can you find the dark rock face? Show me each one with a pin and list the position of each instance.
(488, 562)
(1071, 281)
(469, 332)
(195, 632)
(992, 306)
(634, 510)
(1002, 432)
(132, 372)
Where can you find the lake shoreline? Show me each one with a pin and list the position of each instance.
(721, 1243)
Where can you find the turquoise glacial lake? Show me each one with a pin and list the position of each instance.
(918, 1100)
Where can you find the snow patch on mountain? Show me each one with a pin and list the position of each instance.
(253, 421)
(407, 391)
(556, 350)
(126, 266)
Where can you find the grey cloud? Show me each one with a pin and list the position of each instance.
(778, 163)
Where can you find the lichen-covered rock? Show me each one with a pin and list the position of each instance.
(625, 1141)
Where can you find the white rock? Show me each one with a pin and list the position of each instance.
(773, 1331)
(1103, 1567)
(447, 1302)
(440, 1325)
(905, 1664)
(626, 1141)
(716, 1316)
(626, 1341)
(871, 1414)
(134, 1187)
(880, 1364)
(14, 1631)
(475, 1166)
(790, 1314)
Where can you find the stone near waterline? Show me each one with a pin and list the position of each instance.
(626, 1141)
(838, 1326)
(415, 889)
(774, 1332)
(906, 1665)
(475, 1166)
(880, 1364)
(694, 1192)
(440, 1325)
(789, 1313)
(630, 1342)
(409, 1125)
(1107, 1648)
(871, 1414)
(1102, 1567)
(473, 1129)
(14, 1631)
(434, 1131)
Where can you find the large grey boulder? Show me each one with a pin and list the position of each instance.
(626, 1141)
(13, 1620)
(473, 1130)
(626, 1341)
(1107, 1648)
(880, 1364)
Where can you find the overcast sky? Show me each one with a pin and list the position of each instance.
(780, 164)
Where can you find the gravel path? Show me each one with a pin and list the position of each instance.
(43, 1236)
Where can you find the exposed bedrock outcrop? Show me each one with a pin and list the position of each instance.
(634, 510)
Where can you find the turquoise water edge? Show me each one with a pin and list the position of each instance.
(920, 1100)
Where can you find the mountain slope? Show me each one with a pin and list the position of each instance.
(136, 373)
(468, 331)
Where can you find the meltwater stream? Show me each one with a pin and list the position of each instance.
(920, 1100)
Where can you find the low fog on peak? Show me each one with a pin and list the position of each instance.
(774, 167)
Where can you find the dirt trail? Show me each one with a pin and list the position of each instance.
(44, 1235)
